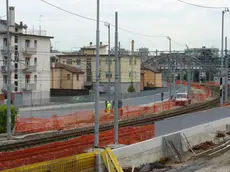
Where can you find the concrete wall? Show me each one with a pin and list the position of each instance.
(151, 150)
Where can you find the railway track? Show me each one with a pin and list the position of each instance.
(145, 120)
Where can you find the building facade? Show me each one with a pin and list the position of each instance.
(30, 62)
(87, 63)
(66, 77)
(151, 78)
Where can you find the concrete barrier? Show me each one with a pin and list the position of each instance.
(152, 150)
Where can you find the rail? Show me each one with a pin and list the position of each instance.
(145, 120)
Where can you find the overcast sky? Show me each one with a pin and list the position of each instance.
(186, 24)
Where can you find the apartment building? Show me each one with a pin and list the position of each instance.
(86, 61)
(30, 62)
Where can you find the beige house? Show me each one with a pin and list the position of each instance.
(150, 77)
(66, 77)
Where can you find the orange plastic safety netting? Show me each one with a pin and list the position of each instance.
(86, 118)
(81, 119)
(127, 135)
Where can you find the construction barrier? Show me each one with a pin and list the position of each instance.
(110, 161)
(55, 150)
(82, 162)
(86, 118)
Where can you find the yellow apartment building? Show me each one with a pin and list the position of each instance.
(66, 77)
(87, 63)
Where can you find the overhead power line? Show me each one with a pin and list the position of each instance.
(200, 6)
(92, 19)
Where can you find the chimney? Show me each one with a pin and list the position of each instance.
(21, 23)
(132, 47)
(90, 44)
(12, 18)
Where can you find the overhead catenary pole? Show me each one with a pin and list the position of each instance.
(8, 73)
(97, 97)
(119, 70)
(226, 69)
(116, 82)
(189, 72)
(169, 68)
(222, 59)
(174, 73)
(109, 63)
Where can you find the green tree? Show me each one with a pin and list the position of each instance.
(131, 89)
(3, 117)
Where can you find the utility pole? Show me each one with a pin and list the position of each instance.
(116, 82)
(109, 61)
(169, 67)
(8, 74)
(97, 98)
(226, 69)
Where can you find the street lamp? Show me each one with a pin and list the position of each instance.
(222, 57)
(108, 59)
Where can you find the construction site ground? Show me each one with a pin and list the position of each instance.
(210, 157)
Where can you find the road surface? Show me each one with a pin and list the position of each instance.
(90, 106)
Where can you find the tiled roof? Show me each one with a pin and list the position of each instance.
(68, 68)
(5, 23)
(93, 47)
(151, 68)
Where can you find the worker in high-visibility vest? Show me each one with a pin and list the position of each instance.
(108, 108)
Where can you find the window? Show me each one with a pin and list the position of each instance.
(35, 43)
(35, 61)
(77, 77)
(27, 43)
(69, 61)
(16, 83)
(16, 48)
(129, 74)
(5, 79)
(16, 39)
(27, 61)
(135, 61)
(68, 76)
(16, 29)
(4, 42)
(5, 60)
(15, 65)
(35, 78)
(27, 79)
(15, 76)
(130, 61)
(15, 89)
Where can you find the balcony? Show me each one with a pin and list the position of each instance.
(4, 87)
(4, 50)
(4, 68)
(30, 69)
(29, 87)
(29, 51)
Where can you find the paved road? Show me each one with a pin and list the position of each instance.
(90, 106)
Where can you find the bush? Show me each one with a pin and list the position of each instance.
(3, 117)
(131, 89)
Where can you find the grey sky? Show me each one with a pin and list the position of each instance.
(185, 24)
